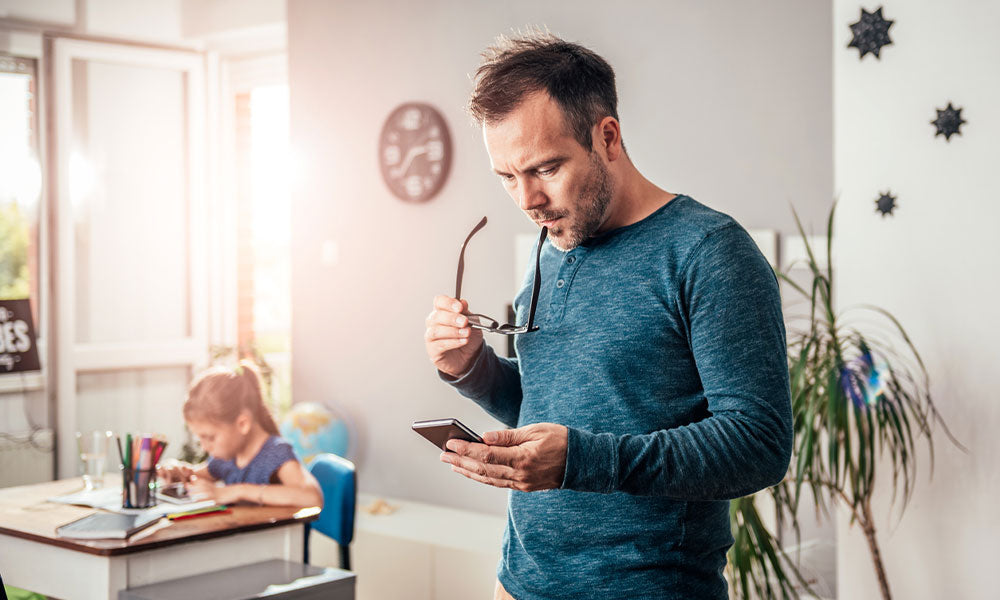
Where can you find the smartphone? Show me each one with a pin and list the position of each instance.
(175, 492)
(439, 431)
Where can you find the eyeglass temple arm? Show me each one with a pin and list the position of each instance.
(538, 278)
(461, 259)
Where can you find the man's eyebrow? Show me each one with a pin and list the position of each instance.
(542, 163)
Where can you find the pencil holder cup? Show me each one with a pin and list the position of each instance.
(138, 487)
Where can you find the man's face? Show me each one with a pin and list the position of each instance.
(556, 182)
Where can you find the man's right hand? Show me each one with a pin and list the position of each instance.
(451, 344)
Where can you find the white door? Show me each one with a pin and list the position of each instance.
(131, 315)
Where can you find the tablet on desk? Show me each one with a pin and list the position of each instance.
(177, 493)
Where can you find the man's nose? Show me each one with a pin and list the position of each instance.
(530, 195)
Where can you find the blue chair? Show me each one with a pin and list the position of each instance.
(338, 480)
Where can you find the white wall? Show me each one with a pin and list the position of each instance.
(152, 20)
(934, 265)
(731, 106)
(239, 24)
(55, 12)
(236, 27)
(145, 20)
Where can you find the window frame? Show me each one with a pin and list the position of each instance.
(30, 45)
(72, 357)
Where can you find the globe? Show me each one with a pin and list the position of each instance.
(314, 429)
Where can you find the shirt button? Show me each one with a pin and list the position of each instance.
(560, 283)
(571, 260)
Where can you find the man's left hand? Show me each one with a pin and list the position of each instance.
(527, 459)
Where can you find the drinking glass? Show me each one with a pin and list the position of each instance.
(93, 447)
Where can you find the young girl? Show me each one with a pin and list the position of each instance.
(225, 409)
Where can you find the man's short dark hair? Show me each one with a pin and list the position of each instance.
(581, 82)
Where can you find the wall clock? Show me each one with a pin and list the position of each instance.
(415, 152)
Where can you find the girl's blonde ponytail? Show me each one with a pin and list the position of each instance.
(220, 394)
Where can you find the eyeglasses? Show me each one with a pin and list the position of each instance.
(485, 323)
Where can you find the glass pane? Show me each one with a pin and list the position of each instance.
(136, 401)
(128, 189)
(270, 191)
(20, 182)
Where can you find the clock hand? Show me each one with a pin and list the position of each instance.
(410, 155)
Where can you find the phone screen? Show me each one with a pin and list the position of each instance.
(439, 431)
(175, 490)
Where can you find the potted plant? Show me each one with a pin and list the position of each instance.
(856, 397)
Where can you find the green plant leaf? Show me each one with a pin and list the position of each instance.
(839, 440)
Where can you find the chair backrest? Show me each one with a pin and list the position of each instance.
(338, 480)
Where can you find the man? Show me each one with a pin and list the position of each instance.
(656, 387)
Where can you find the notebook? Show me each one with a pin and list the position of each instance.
(104, 525)
(110, 499)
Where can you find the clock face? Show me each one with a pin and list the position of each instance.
(415, 152)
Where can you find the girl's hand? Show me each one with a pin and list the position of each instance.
(205, 489)
(173, 470)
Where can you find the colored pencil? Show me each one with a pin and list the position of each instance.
(128, 451)
(199, 511)
(120, 455)
(202, 514)
(161, 446)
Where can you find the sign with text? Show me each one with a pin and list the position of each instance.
(18, 352)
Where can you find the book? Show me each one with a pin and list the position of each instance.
(110, 499)
(103, 525)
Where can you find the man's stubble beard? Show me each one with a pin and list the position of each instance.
(595, 198)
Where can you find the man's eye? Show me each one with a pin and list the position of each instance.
(547, 172)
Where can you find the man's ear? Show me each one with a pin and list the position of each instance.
(608, 137)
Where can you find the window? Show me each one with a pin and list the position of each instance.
(20, 182)
(131, 299)
(264, 229)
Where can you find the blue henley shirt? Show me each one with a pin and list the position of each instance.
(662, 348)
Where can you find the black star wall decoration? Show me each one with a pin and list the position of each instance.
(948, 122)
(885, 204)
(871, 32)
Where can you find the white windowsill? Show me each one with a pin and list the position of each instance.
(12, 383)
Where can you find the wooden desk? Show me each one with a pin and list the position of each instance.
(35, 558)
